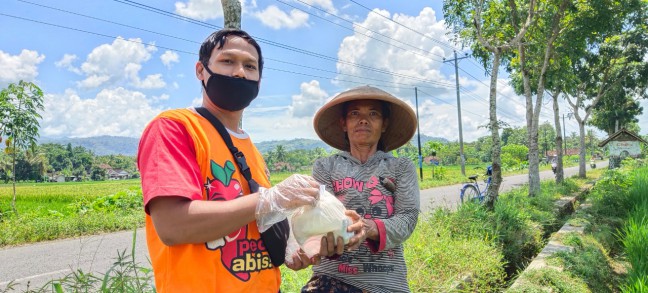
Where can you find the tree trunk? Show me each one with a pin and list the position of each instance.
(582, 173)
(559, 140)
(232, 13)
(493, 190)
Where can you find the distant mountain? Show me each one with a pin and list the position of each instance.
(99, 145)
(425, 138)
(293, 144)
(114, 145)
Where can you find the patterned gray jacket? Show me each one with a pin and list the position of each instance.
(377, 266)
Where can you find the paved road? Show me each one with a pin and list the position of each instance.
(448, 196)
(36, 264)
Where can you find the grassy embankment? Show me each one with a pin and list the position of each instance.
(611, 255)
(446, 246)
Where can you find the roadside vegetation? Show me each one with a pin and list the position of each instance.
(611, 255)
(47, 211)
(471, 249)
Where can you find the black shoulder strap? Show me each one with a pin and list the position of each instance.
(275, 238)
(239, 157)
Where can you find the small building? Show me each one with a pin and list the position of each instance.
(622, 144)
(117, 174)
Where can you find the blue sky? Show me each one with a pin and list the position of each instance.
(107, 67)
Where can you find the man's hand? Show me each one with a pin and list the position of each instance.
(295, 191)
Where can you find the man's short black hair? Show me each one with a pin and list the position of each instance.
(217, 40)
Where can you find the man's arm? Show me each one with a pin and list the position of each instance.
(172, 190)
(178, 220)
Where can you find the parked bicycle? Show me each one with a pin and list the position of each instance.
(471, 190)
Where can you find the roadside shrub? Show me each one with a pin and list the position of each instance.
(123, 200)
(442, 258)
(440, 172)
(611, 204)
(634, 235)
(589, 262)
(550, 280)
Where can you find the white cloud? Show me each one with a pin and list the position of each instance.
(162, 97)
(169, 57)
(277, 125)
(93, 81)
(277, 19)
(324, 4)
(421, 57)
(118, 112)
(643, 118)
(200, 9)
(14, 68)
(153, 81)
(66, 62)
(118, 62)
(197, 102)
(418, 64)
(309, 100)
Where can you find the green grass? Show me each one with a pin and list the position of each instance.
(616, 233)
(588, 262)
(550, 280)
(485, 247)
(48, 211)
(634, 235)
(445, 175)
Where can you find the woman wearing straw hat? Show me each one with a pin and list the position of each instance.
(365, 124)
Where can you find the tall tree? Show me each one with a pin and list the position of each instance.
(492, 28)
(529, 67)
(19, 107)
(614, 62)
(614, 111)
(559, 138)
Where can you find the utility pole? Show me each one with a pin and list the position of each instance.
(461, 152)
(564, 136)
(545, 142)
(418, 132)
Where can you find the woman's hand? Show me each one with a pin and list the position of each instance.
(359, 233)
(371, 229)
(301, 261)
(330, 246)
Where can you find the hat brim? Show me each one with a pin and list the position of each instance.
(401, 127)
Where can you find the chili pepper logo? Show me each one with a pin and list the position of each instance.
(223, 187)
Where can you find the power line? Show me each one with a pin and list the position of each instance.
(155, 10)
(94, 33)
(455, 106)
(276, 44)
(360, 26)
(169, 14)
(382, 84)
(400, 24)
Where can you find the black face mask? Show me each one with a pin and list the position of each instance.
(230, 93)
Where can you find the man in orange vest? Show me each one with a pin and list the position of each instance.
(201, 216)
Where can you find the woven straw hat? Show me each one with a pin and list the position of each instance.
(401, 127)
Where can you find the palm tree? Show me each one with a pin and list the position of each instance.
(5, 166)
(280, 153)
(38, 161)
